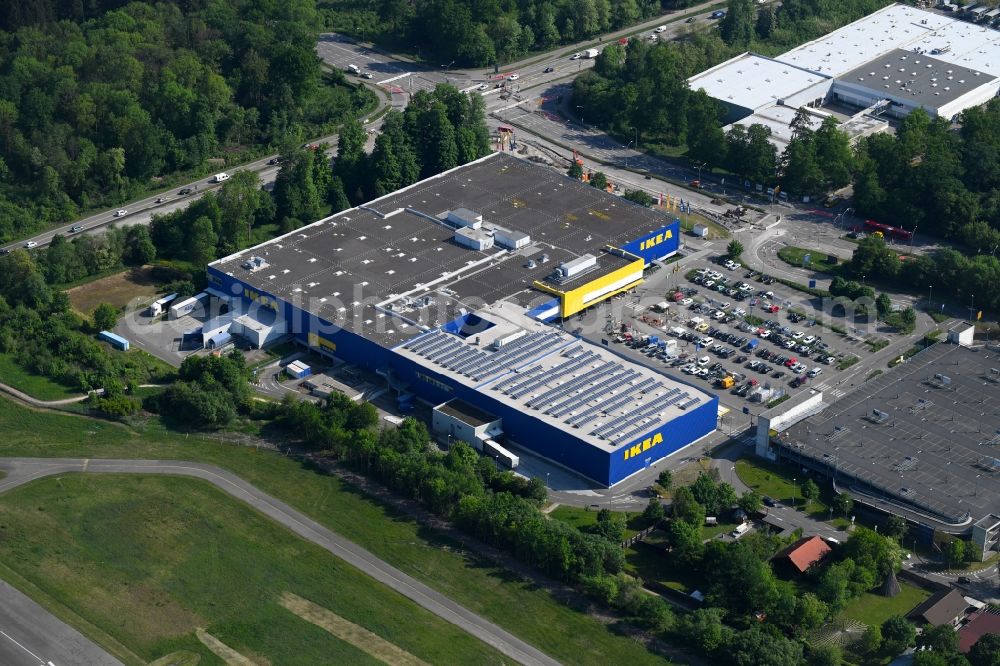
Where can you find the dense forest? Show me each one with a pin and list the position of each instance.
(485, 32)
(100, 100)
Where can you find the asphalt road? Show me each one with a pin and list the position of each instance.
(31, 636)
(23, 470)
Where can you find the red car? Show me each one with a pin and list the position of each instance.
(772, 308)
(790, 362)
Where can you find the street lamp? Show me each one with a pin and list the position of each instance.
(930, 296)
(795, 493)
(580, 106)
(626, 153)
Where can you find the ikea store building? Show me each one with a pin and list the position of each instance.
(454, 288)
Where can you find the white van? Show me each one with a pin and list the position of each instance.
(354, 69)
(219, 177)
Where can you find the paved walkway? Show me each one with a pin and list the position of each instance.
(24, 470)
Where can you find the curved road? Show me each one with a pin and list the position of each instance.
(24, 470)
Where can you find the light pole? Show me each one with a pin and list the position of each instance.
(930, 296)
(626, 153)
(582, 124)
(913, 234)
(446, 68)
(795, 493)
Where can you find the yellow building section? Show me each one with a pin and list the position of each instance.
(600, 288)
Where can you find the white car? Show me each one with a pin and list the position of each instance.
(797, 334)
(789, 344)
(30, 244)
(704, 360)
(482, 86)
(815, 372)
(687, 301)
(706, 342)
(726, 306)
(740, 312)
(709, 283)
(702, 372)
(121, 213)
(718, 314)
(689, 369)
(661, 28)
(809, 339)
(799, 367)
(765, 334)
(576, 56)
(513, 77)
(716, 275)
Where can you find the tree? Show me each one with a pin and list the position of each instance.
(201, 241)
(985, 651)
(758, 646)
(750, 501)
(575, 170)
(734, 249)
(654, 510)
(611, 525)
(737, 27)
(895, 527)
(897, 635)
(703, 629)
(937, 659)
(842, 504)
(640, 197)
(685, 541)
(942, 639)
(810, 491)
(139, 248)
(599, 180)
(105, 317)
(954, 552)
(665, 479)
(871, 640)
(883, 305)
(826, 655)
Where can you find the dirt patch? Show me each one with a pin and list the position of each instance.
(181, 658)
(226, 653)
(349, 632)
(120, 290)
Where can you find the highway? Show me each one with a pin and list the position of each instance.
(24, 470)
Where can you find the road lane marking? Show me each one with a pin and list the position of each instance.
(7, 636)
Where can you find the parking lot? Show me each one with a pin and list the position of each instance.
(731, 329)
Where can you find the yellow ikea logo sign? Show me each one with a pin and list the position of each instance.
(656, 240)
(260, 299)
(645, 445)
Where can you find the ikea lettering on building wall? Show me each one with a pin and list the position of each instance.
(645, 445)
(657, 245)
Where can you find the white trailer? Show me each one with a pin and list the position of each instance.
(591, 53)
(491, 448)
(187, 306)
(158, 307)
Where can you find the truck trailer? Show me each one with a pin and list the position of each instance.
(502, 455)
(591, 53)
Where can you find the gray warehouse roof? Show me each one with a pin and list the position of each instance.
(925, 435)
(399, 246)
(917, 77)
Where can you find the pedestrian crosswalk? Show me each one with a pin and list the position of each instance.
(834, 393)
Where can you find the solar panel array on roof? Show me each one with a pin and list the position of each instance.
(570, 366)
(611, 404)
(449, 351)
(651, 412)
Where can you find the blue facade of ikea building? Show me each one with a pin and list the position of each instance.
(658, 244)
(603, 465)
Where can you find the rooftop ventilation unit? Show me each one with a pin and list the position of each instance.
(942, 380)
(578, 266)
(544, 258)
(531, 264)
(463, 217)
(878, 416)
(254, 264)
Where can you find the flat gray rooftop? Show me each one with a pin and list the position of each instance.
(340, 267)
(933, 446)
(917, 77)
(466, 413)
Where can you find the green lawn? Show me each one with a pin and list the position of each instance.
(581, 518)
(516, 605)
(149, 559)
(819, 261)
(43, 388)
(775, 481)
(654, 566)
(875, 609)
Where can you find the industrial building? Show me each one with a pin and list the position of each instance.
(921, 440)
(456, 287)
(886, 64)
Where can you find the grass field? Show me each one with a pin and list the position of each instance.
(151, 559)
(876, 609)
(775, 481)
(43, 388)
(581, 518)
(817, 260)
(517, 605)
(120, 289)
